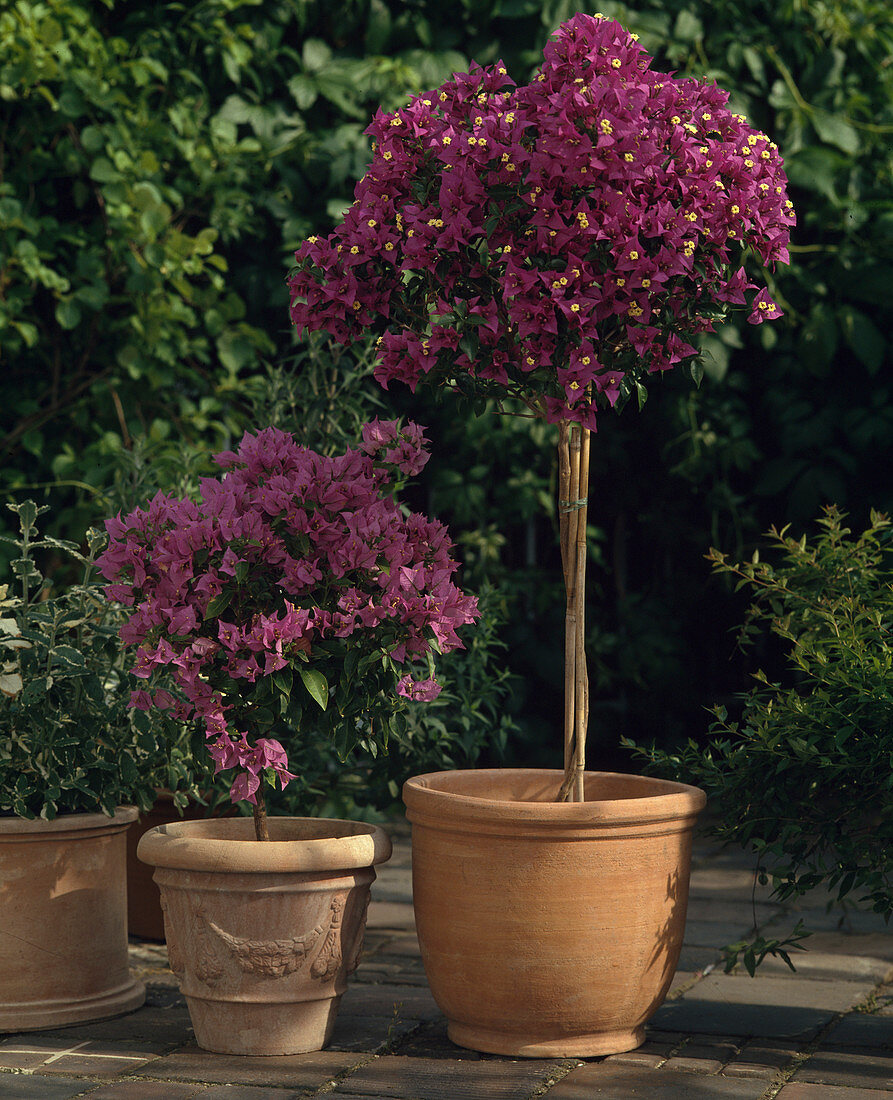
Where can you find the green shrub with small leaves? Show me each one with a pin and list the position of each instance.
(68, 741)
(803, 777)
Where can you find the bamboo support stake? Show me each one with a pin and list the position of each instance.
(573, 480)
(581, 676)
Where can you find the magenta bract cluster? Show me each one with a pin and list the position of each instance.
(549, 239)
(287, 551)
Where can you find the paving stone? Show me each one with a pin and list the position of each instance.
(433, 1079)
(50, 1054)
(627, 1083)
(296, 1071)
(397, 1002)
(247, 1092)
(862, 1030)
(759, 1007)
(702, 1057)
(760, 1059)
(798, 1090)
(368, 1033)
(722, 909)
(17, 1086)
(874, 945)
(716, 934)
(391, 914)
(851, 922)
(392, 884)
(824, 966)
(402, 945)
(151, 1090)
(163, 1021)
(849, 1068)
(430, 1040)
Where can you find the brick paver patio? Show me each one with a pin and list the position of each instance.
(825, 1033)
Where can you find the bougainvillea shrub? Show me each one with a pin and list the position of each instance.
(295, 589)
(557, 241)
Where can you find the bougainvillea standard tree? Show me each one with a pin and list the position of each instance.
(295, 581)
(557, 243)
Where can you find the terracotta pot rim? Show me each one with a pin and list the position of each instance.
(68, 823)
(228, 844)
(503, 795)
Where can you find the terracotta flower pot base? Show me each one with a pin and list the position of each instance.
(262, 935)
(549, 929)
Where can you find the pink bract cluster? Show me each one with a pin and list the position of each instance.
(555, 241)
(288, 556)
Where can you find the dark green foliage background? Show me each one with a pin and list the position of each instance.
(159, 162)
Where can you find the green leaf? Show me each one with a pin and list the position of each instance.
(68, 314)
(834, 130)
(315, 55)
(316, 684)
(864, 337)
(218, 605)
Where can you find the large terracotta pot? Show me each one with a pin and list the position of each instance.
(549, 929)
(144, 916)
(263, 934)
(63, 921)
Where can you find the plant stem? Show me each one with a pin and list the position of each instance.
(261, 831)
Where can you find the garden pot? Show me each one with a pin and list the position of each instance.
(144, 916)
(263, 934)
(63, 921)
(549, 929)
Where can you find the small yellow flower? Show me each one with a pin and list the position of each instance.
(779, 190)
(575, 307)
(472, 141)
(628, 157)
(506, 248)
(501, 71)
(427, 102)
(706, 116)
(357, 306)
(585, 360)
(675, 120)
(606, 127)
(410, 232)
(720, 185)
(510, 117)
(530, 361)
(447, 140)
(616, 62)
(748, 163)
(372, 223)
(735, 209)
(634, 36)
(691, 216)
(789, 205)
(765, 154)
(621, 281)
(396, 121)
(752, 139)
(764, 186)
(389, 246)
(703, 150)
(354, 251)
(635, 310)
(574, 386)
(562, 281)
(646, 283)
(510, 167)
(386, 155)
(443, 97)
(312, 240)
(478, 121)
(634, 255)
